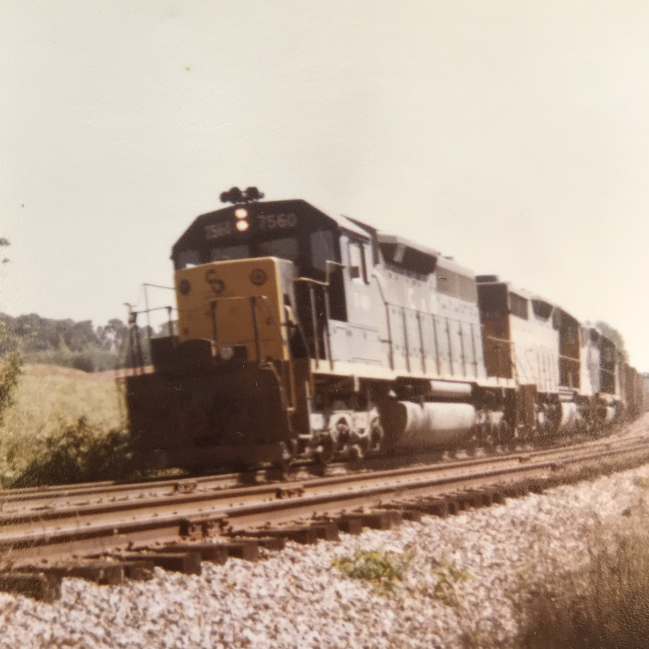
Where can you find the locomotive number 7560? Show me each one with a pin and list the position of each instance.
(275, 221)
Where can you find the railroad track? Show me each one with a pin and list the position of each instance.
(47, 497)
(177, 527)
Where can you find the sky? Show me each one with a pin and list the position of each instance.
(512, 135)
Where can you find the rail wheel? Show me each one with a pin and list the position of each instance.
(355, 453)
(504, 434)
(377, 435)
(324, 451)
(283, 463)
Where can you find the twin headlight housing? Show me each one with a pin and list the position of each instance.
(242, 219)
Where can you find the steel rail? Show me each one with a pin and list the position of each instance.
(164, 524)
(196, 501)
(47, 498)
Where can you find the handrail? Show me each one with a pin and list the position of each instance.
(314, 320)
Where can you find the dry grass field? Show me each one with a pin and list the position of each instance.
(50, 401)
(605, 605)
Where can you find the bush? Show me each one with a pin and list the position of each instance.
(80, 453)
(10, 371)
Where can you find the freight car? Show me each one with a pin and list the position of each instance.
(306, 335)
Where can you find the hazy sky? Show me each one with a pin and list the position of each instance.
(512, 135)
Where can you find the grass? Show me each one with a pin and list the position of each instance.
(60, 412)
(603, 606)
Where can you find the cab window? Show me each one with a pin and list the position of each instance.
(225, 253)
(187, 259)
(285, 248)
(357, 266)
(518, 306)
(322, 249)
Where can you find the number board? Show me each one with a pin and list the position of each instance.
(265, 223)
(283, 221)
(218, 230)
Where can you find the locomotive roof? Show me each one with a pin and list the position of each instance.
(521, 292)
(195, 231)
(422, 256)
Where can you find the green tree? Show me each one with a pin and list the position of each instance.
(10, 364)
(10, 371)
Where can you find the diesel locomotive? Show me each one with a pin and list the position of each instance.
(305, 335)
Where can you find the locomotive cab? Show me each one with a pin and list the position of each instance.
(260, 268)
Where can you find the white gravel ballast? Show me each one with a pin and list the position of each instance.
(456, 577)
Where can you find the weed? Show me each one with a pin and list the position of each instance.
(448, 577)
(641, 482)
(381, 570)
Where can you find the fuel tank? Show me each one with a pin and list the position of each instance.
(413, 425)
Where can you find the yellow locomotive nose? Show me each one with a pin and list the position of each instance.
(237, 305)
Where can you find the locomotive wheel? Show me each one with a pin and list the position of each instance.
(324, 451)
(377, 435)
(355, 453)
(283, 464)
(504, 434)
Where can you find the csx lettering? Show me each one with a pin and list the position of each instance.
(274, 221)
(218, 230)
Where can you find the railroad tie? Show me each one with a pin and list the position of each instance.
(246, 550)
(41, 586)
(185, 562)
(434, 507)
(406, 512)
(516, 490)
(350, 524)
(306, 535)
(219, 551)
(382, 519)
(211, 552)
(272, 542)
(140, 570)
(101, 572)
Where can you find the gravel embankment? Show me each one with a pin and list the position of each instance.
(295, 598)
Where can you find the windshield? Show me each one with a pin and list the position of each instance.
(284, 248)
(223, 253)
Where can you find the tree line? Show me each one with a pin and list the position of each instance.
(80, 345)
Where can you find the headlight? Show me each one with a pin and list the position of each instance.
(226, 353)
